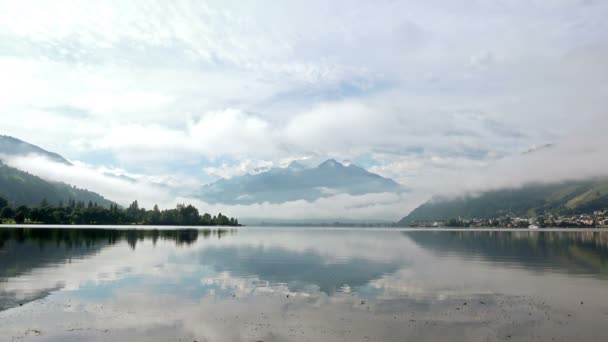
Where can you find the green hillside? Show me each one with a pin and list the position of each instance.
(571, 197)
(22, 188)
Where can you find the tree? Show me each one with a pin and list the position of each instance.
(169, 217)
(207, 220)
(188, 215)
(153, 216)
(222, 220)
(58, 216)
(454, 223)
(133, 213)
(134, 206)
(3, 203)
(19, 217)
(24, 209)
(7, 213)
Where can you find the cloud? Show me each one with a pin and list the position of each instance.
(481, 60)
(371, 207)
(247, 166)
(242, 168)
(340, 127)
(233, 132)
(569, 160)
(218, 133)
(148, 190)
(422, 91)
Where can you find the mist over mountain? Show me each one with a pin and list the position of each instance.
(330, 192)
(569, 197)
(22, 188)
(170, 96)
(10, 146)
(296, 182)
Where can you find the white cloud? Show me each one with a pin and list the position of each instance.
(125, 102)
(148, 190)
(423, 88)
(230, 132)
(233, 132)
(375, 207)
(345, 127)
(244, 167)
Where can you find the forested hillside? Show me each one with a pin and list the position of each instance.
(21, 188)
(571, 197)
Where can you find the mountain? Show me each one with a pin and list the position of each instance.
(582, 196)
(296, 182)
(12, 147)
(22, 188)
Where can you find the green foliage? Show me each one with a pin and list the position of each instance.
(21, 188)
(574, 197)
(78, 213)
(453, 222)
(7, 213)
(20, 217)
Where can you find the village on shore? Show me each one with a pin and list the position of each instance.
(597, 219)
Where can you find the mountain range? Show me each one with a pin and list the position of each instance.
(21, 188)
(570, 197)
(10, 146)
(297, 182)
(277, 185)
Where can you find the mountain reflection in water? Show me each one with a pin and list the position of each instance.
(582, 252)
(301, 284)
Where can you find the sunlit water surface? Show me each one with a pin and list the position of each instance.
(291, 284)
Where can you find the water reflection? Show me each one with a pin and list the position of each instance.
(297, 270)
(91, 236)
(583, 252)
(23, 250)
(283, 284)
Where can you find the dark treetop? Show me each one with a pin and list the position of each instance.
(77, 212)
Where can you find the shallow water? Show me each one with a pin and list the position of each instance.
(284, 284)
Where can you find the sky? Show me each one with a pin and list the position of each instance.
(443, 97)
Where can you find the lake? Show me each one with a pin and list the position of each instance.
(294, 284)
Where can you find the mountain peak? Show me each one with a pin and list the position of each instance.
(294, 165)
(330, 163)
(297, 182)
(16, 147)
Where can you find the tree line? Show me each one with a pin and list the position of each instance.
(91, 238)
(77, 212)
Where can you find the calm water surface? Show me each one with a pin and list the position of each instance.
(255, 284)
